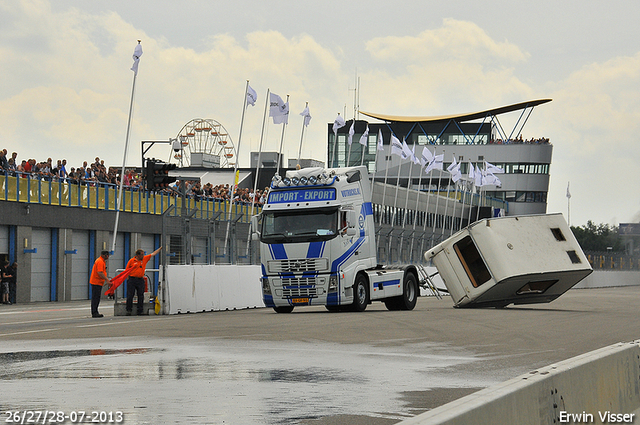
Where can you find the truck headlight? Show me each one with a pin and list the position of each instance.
(266, 289)
(333, 284)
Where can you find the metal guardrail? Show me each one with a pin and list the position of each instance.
(27, 188)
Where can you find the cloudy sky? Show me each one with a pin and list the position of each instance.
(66, 78)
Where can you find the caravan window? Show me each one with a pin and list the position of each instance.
(472, 262)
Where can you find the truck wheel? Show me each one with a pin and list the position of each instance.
(410, 292)
(284, 309)
(360, 294)
(392, 304)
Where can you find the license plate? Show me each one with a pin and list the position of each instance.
(300, 301)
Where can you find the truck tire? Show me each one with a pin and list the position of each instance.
(360, 293)
(409, 293)
(284, 309)
(392, 304)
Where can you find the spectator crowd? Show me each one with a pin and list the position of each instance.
(96, 173)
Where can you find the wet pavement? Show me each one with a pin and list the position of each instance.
(308, 367)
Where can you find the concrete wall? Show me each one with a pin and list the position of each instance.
(609, 278)
(600, 382)
(196, 288)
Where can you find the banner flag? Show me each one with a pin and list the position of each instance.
(337, 124)
(364, 139)
(396, 146)
(278, 109)
(307, 116)
(380, 141)
(493, 169)
(252, 96)
(137, 52)
(351, 133)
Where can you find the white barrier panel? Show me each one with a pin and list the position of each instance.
(609, 278)
(199, 288)
(602, 386)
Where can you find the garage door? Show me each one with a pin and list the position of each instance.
(80, 265)
(4, 239)
(117, 261)
(41, 265)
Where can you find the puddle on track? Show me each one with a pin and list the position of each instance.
(216, 381)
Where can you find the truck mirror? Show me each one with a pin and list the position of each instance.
(351, 231)
(255, 232)
(352, 219)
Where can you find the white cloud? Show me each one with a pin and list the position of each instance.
(67, 83)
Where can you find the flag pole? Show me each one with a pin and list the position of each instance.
(353, 126)
(264, 118)
(453, 208)
(446, 204)
(415, 219)
(235, 168)
(424, 226)
(302, 135)
(568, 204)
(435, 220)
(335, 141)
(284, 126)
(136, 57)
(406, 201)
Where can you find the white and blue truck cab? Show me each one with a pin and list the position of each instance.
(317, 245)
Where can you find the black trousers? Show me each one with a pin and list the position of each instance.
(96, 293)
(135, 286)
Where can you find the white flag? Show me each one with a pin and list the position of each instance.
(493, 169)
(278, 109)
(351, 133)
(454, 170)
(307, 116)
(406, 152)
(364, 139)
(338, 123)
(252, 96)
(491, 180)
(380, 141)
(414, 158)
(435, 164)
(568, 193)
(427, 157)
(479, 177)
(137, 52)
(396, 146)
(472, 175)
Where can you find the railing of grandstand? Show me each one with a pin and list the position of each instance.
(24, 187)
(612, 261)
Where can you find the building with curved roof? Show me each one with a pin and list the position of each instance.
(474, 139)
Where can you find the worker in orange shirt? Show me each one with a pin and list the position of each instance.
(97, 279)
(135, 283)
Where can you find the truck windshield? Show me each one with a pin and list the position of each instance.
(299, 226)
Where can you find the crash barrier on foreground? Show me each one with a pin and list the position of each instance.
(602, 386)
(197, 288)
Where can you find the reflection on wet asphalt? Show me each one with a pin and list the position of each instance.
(218, 381)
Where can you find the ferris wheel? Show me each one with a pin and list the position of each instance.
(207, 137)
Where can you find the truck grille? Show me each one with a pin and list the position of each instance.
(302, 287)
(299, 265)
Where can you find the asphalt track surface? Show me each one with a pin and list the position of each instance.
(308, 367)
